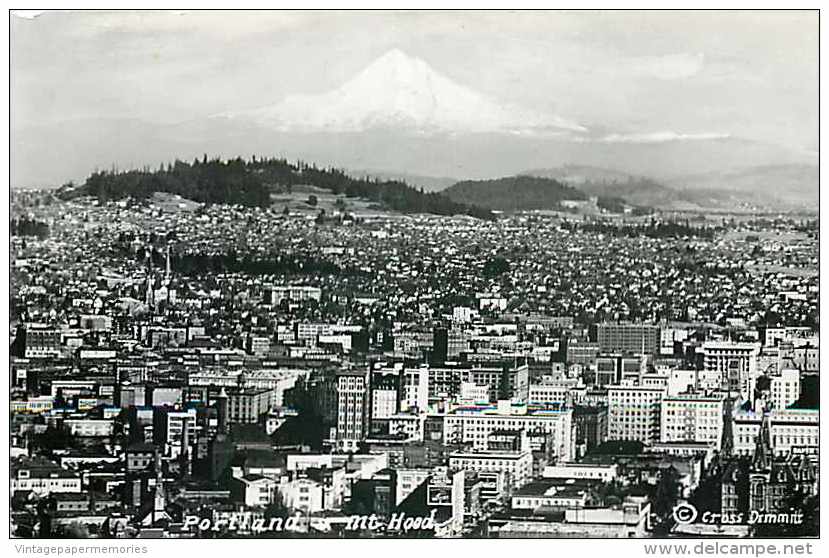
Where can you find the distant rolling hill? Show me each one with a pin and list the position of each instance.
(601, 182)
(253, 183)
(781, 186)
(771, 187)
(428, 183)
(513, 193)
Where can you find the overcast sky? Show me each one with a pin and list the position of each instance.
(745, 74)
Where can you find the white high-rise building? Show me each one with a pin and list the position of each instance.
(634, 413)
(785, 388)
(729, 366)
(414, 389)
(474, 426)
(352, 401)
(692, 418)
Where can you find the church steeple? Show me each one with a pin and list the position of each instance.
(762, 450)
(160, 498)
(149, 296)
(727, 442)
(184, 457)
(167, 268)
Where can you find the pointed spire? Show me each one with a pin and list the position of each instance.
(160, 499)
(762, 450)
(184, 457)
(149, 297)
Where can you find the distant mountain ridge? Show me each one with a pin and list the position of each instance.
(785, 185)
(789, 187)
(600, 182)
(428, 183)
(400, 114)
(404, 92)
(580, 174)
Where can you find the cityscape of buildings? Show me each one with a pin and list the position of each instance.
(192, 371)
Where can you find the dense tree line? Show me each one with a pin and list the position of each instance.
(24, 226)
(654, 229)
(514, 193)
(200, 264)
(205, 181)
(250, 183)
(611, 204)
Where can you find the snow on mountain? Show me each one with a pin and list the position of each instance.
(401, 92)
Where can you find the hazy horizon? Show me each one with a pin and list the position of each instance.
(652, 93)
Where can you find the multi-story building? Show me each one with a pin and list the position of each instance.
(292, 293)
(784, 388)
(384, 395)
(729, 366)
(352, 399)
(582, 352)
(628, 337)
(612, 369)
(548, 495)
(805, 356)
(42, 342)
(634, 413)
(414, 389)
(42, 478)
(408, 479)
(253, 490)
(552, 393)
(692, 417)
(591, 425)
(516, 464)
(258, 344)
(505, 380)
(605, 472)
(89, 427)
(407, 425)
(247, 405)
(310, 334)
(506, 452)
(448, 344)
(791, 430)
(473, 425)
(277, 380)
(169, 429)
(765, 484)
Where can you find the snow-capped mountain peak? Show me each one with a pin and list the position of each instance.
(402, 92)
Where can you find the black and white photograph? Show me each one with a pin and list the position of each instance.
(414, 274)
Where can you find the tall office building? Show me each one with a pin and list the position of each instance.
(351, 393)
(634, 413)
(784, 388)
(729, 366)
(414, 389)
(693, 417)
(628, 337)
(384, 396)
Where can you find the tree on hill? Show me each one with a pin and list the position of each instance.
(514, 193)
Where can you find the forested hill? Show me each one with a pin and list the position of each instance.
(514, 193)
(250, 183)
